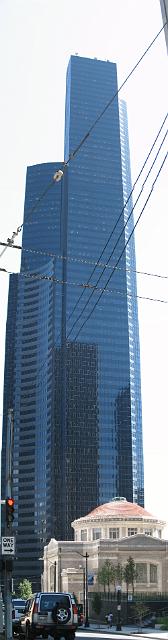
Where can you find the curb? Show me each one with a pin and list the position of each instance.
(122, 632)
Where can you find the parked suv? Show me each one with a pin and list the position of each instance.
(54, 614)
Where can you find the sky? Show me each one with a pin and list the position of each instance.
(37, 38)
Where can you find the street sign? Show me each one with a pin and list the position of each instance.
(8, 546)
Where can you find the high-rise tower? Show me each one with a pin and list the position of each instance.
(75, 389)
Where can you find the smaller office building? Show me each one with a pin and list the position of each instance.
(113, 531)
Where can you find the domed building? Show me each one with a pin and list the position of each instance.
(113, 531)
(116, 520)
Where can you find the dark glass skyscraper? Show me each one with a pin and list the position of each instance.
(75, 389)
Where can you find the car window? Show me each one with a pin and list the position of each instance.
(18, 603)
(47, 602)
(27, 605)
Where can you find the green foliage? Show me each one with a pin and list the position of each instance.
(140, 611)
(110, 574)
(96, 603)
(130, 573)
(102, 577)
(119, 573)
(163, 622)
(25, 589)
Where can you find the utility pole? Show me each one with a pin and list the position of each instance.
(8, 527)
(55, 574)
(85, 586)
(86, 591)
(1, 572)
(59, 570)
(164, 10)
(84, 582)
(118, 626)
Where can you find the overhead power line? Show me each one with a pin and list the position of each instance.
(86, 136)
(124, 248)
(59, 172)
(97, 263)
(119, 217)
(82, 261)
(51, 278)
(10, 241)
(163, 301)
(45, 278)
(120, 235)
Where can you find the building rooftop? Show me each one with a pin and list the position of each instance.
(118, 508)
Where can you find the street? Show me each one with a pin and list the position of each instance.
(90, 635)
(152, 635)
(82, 635)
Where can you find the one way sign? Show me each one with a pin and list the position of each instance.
(8, 546)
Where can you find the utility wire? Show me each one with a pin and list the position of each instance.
(73, 154)
(125, 294)
(59, 173)
(119, 217)
(122, 252)
(10, 241)
(51, 349)
(120, 235)
(36, 277)
(83, 262)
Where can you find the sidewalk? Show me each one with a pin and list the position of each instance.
(131, 630)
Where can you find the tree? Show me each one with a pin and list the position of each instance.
(106, 575)
(127, 578)
(130, 574)
(102, 577)
(96, 603)
(25, 589)
(119, 573)
(110, 572)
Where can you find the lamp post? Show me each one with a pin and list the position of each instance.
(118, 625)
(86, 556)
(83, 570)
(55, 574)
(86, 591)
(84, 582)
(60, 569)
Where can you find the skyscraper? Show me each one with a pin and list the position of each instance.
(75, 389)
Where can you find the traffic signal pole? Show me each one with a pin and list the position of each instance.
(8, 527)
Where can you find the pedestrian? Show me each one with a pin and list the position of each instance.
(110, 619)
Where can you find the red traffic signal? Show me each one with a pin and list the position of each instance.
(9, 511)
(10, 502)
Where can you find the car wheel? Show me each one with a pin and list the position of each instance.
(29, 634)
(61, 615)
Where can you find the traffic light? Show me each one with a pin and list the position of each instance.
(9, 511)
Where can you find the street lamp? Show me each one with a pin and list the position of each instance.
(83, 569)
(118, 626)
(86, 591)
(86, 556)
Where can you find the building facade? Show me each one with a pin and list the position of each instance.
(164, 10)
(114, 532)
(75, 390)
